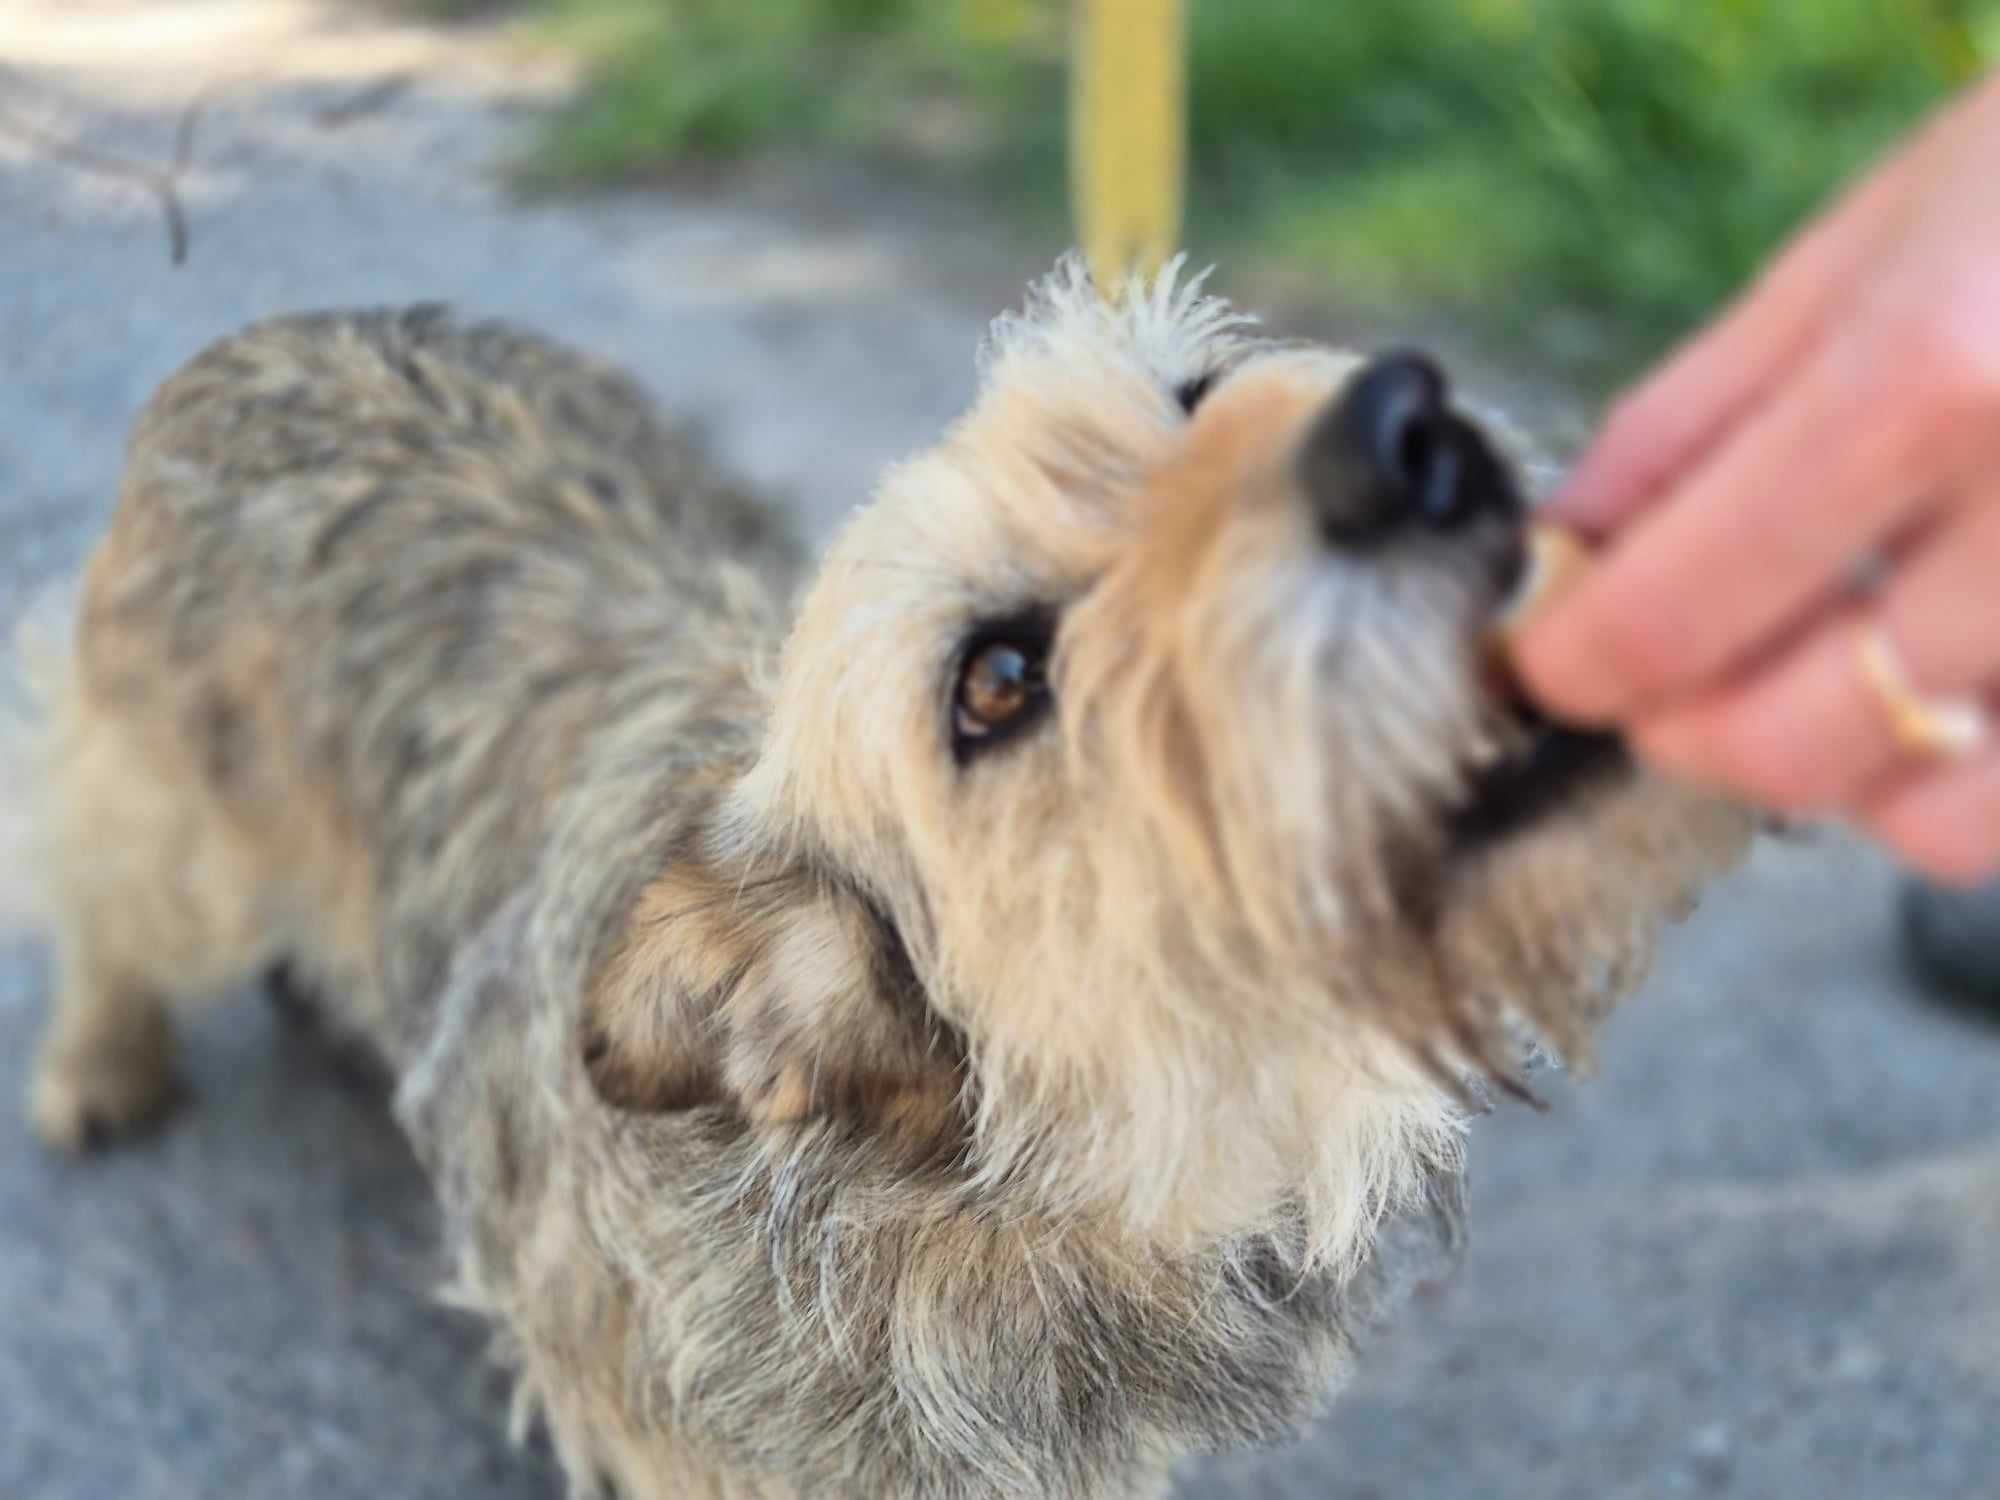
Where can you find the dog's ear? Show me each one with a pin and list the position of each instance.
(650, 1036)
(783, 999)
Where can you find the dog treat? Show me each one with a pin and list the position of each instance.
(1556, 555)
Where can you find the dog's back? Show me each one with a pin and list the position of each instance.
(371, 580)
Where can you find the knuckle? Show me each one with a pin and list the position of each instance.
(1776, 552)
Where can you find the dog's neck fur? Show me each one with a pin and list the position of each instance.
(848, 1282)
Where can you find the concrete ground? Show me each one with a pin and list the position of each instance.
(1756, 1257)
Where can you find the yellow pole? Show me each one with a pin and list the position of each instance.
(1128, 133)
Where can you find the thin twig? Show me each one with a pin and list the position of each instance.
(191, 114)
(162, 184)
(152, 179)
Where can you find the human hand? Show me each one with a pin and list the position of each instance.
(1845, 412)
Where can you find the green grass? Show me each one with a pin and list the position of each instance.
(1632, 162)
(680, 80)
(1621, 165)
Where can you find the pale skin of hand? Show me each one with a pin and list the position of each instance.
(1847, 406)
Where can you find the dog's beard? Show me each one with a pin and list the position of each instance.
(1345, 801)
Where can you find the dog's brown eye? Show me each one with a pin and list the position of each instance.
(1001, 688)
(997, 687)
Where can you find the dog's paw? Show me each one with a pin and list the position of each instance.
(79, 1103)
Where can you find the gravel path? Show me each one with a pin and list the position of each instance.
(1755, 1257)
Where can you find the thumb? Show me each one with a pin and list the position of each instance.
(1669, 423)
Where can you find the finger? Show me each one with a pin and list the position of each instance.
(1705, 391)
(1753, 539)
(1945, 823)
(1805, 732)
(1801, 735)
(1716, 380)
(1941, 605)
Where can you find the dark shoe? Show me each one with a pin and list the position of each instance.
(1951, 938)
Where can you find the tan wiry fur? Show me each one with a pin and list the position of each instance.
(818, 1110)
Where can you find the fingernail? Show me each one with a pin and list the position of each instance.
(1556, 558)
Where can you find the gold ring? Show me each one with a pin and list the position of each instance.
(1933, 728)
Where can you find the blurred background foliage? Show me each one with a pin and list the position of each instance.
(1588, 176)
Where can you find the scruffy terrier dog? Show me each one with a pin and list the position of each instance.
(960, 1025)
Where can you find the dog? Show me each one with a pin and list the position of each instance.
(966, 1020)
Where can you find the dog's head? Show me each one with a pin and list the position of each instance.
(1149, 711)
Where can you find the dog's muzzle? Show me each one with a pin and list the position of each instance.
(1390, 465)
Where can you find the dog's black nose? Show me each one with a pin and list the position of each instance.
(1390, 456)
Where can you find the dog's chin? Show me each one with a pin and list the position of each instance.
(1547, 770)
